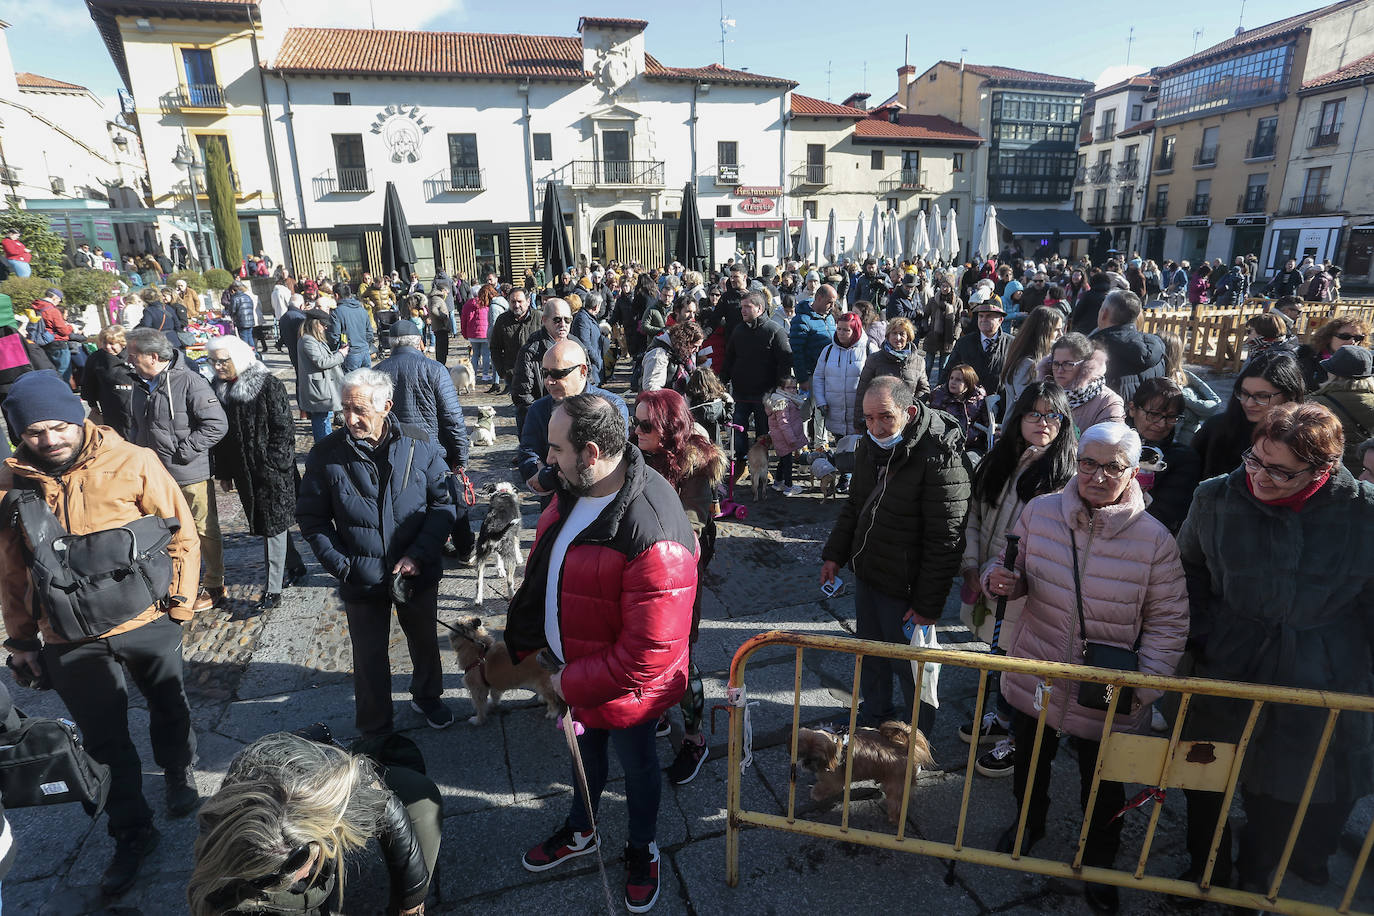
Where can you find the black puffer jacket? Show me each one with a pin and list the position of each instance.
(507, 336)
(1132, 357)
(757, 359)
(107, 384)
(1172, 493)
(525, 388)
(1084, 317)
(258, 453)
(179, 419)
(425, 397)
(358, 528)
(909, 543)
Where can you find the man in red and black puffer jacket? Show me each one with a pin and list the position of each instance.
(608, 590)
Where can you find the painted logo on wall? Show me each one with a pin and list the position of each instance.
(756, 206)
(401, 128)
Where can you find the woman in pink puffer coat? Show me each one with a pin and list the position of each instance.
(1134, 597)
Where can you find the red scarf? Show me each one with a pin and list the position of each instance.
(1298, 499)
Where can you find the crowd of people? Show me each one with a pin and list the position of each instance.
(1162, 527)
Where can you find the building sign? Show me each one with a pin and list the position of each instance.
(752, 191)
(1194, 222)
(401, 128)
(728, 174)
(756, 206)
(1247, 220)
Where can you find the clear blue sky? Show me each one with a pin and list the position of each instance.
(796, 39)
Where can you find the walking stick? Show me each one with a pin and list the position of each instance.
(1009, 563)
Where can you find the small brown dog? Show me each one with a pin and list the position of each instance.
(879, 755)
(488, 670)
(463, 377)
(758, 466)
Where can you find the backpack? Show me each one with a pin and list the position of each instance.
(88, 584)
(42, 762)
(38, 331)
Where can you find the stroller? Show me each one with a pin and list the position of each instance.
(728, 506)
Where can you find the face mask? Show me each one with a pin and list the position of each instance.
(887, 443)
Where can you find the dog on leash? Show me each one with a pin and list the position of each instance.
(758, 466)
(879, 756)
(824, 473)
(463, 378)
(488, 671)
(484, 433)
(498, 540)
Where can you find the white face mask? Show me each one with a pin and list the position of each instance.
(887, 443)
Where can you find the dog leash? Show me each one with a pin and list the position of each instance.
(571, 736)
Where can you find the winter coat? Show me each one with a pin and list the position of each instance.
(425, 397)
(1084, 316)
(911, 370)
(180, 419)
(625, 594)
(705, 469)
(52, 316)
(904, 303)
(587, 332)
(1285, 598)
(1132, 357)
(1018, 380)
(1105, 406)
(508, 335)
(1134, 597)
(258, 453)
(377, 299)
(1355, 410)
(757, 359)
(289, 332)
(1172, 492)
(663, 368)
(1284, 283)
(1200, 402)
(1220, 446)
(360, 527)
(319, 380)
(807, 337)
(525, 385)
(243, 311)
(985, 536)
(908, 543)
(107, 385)
(111, 482)
(968, 350)
(786, 425)
(942, 325)
(968, 412)
(350, 320)
(474, 321)
(1199, 289)
(836, 382)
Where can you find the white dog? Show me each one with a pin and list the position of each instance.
(484, 433)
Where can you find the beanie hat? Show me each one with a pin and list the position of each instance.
(40, 397)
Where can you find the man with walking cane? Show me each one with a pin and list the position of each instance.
(608, 594)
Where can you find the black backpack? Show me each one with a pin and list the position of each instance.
(88, 584)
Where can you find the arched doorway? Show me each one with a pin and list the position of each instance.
(604, 235)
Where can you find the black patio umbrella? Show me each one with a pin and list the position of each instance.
(553, 236)
(398, 251)
(691, 241)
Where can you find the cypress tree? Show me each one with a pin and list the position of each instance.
(219, 187)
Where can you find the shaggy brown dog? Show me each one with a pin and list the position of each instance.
(488, 670)
(879, 755)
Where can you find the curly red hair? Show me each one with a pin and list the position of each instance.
(667, 412)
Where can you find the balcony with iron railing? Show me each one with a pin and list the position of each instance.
(1081, 175)
(1252, 202)
(342, 181)
(456, 180)
(1104, 133)
(1100, 173)
(1158, 209)
(1165, 162)
(195, 97)
(1260, 147)
(1306, 204)
(1206, 156)
(1324, 135)
(1122, 213)
(810, 174)
(1199, 206)
(1097, 214)
(642, 173)
(1128, 170)
(905, 180)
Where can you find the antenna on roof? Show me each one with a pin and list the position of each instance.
(1240, 23)
(827, 82)
(371, 8)
(1197, 34)
(1130, 40)
(906, 52)
(724, 24)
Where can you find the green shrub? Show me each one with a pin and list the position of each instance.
(23, 290)
(36, 232)
(215, 278)
(82, 287)
(194, 279)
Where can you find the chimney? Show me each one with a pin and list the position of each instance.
(857, 100)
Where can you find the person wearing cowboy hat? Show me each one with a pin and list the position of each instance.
(986, 349)
(1349, 394)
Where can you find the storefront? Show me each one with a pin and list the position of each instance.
(1316, 237)
(1192, 237)
(1359, 253)
(1247, 235)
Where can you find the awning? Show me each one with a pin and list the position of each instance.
(1045, 223)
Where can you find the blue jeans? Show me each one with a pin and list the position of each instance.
(61, 356)
(743, 411)
(481, 358)
(20, 268)
(320, 425)
(879, 617)
(635, 747)
(246, 335)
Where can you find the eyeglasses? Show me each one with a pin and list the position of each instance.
(226, 361)
(557, 374)
(1358, 338)
(1111, 470)
(1262, 398)
(1068, 364)
(1277, 475)
(561, 319)
(1158, 417)
(645, 426)
(1049, 419)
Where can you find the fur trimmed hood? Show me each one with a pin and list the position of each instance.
(709, 461)
(246, 387)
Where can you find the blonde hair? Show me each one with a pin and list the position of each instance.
(112, 334)
(574, 302)
(1173, 358)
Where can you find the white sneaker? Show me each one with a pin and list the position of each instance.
(1158, 723)
(794, 490)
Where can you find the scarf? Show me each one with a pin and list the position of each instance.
(1080, 396)
(900, 354)
(1298, 499)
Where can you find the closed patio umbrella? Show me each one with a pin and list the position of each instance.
(398, 250)
(918, 235)
(875, 235)
(832, 250)
(935, 245)
(860, 241)
(553, 234)
(987, 246)
(690, 250)
(895, 233)
(804, 251)
(952, 236)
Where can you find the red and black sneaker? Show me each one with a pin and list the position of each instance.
(641, 877)
(564, 845)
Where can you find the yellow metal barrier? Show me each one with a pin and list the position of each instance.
(1165, 763)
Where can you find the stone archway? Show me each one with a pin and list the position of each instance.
(603, 247)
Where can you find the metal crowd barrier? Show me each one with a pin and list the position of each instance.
(1163, 763)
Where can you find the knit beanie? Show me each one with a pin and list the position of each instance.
(39, 397)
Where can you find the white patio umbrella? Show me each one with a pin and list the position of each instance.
(952, 236)
(832, 249)
(804, 251)
(860, 241)
(784, 234)
(917, 235)
(987, 246)
(935, 245)
(875, 236)
(895, 233)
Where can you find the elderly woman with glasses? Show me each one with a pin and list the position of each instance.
(1279, 556)
(1094, 567)
(1075, 364)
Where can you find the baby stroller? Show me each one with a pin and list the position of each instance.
(728, 507)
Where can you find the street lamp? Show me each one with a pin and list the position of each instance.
(186, 159)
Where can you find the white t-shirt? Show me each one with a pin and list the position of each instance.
(584, 512)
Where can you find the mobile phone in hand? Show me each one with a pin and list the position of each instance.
(909, 628)
(832, 588)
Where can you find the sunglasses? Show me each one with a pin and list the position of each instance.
(645, 426)
(1358, 338)
(557, 374)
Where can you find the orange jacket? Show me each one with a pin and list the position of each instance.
(112, 482)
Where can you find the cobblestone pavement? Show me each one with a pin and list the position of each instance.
(507, 785)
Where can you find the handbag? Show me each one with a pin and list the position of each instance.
(12, 352)
(1099, 655)
(42, 762)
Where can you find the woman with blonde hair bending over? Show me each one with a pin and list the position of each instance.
(274, 837)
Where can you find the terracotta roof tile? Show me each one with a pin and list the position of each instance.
(1280, 29)
(711, 73)
(1144, 127)
(34, 81)
(815, 108)
(637, 25)
(1023, 76)
(1144, 81)
(928, 128)
(1355, 70)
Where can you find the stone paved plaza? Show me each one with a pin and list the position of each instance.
(506, 785)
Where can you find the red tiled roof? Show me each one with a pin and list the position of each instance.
(598, 22)
(1023, 76)
(34, 81)
(1258, 35)
(815, 108)
(1144, 127)
(711, 73)
(1355, 70)
(925, 128)
(1143, 81)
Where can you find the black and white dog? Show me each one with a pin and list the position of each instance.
(498, 540)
